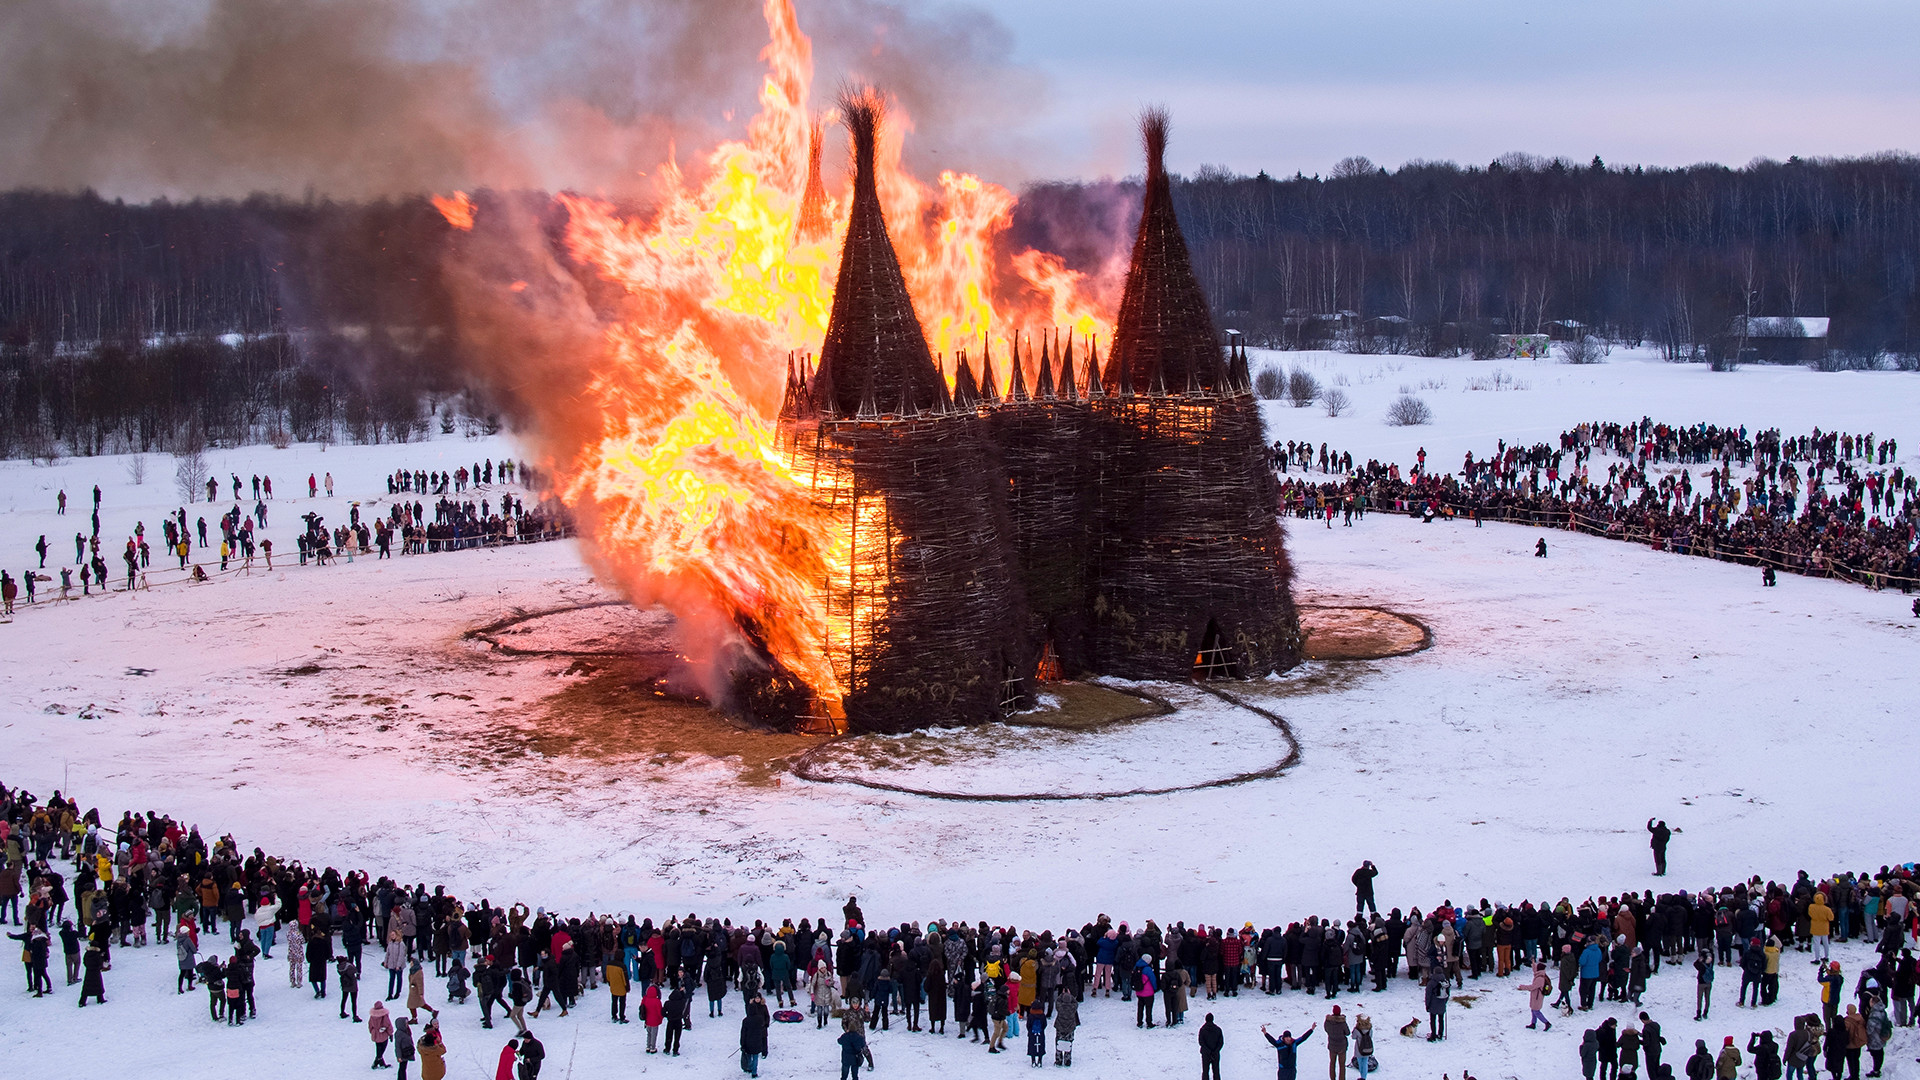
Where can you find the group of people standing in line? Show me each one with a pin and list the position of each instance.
(95, 888)
(1824, 504)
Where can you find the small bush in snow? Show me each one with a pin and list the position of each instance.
(1408, 411)
(1270, 384)
(1302, 388)
(1586, 349)
(137, 469)
(1334, 401)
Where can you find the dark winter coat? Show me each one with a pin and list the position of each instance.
(1066, 1016)
(1211, 1040)
(753, 1028)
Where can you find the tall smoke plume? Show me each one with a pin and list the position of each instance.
(362, 98)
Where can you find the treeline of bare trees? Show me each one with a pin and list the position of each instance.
(146, 327)
(1433, 255)
(127, 326)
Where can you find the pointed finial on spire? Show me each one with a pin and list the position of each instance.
(1043, 386)
(1068, 389)
(989, 386)
(1018, 391)
(965, 392)
(943, 400)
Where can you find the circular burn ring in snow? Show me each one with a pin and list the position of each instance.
(809, 767)
(1361, 632)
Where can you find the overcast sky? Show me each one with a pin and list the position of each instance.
(1286, 85)
(354, 98)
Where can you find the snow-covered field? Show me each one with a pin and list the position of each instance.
(336, 714)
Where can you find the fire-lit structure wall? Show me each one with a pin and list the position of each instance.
(924, 617)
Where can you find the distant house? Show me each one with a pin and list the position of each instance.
(1566, 330)
(1775, 339)
(1385, 326)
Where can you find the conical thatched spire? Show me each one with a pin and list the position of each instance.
(813, 224)
(944, 403)
(1165, 336)
(873, 337)
(1018, 391)
(989, 386)
(1094, 389)
(1067, 388)
(1043, 386)
(965, 393)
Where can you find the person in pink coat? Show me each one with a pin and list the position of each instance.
(509, 1054)
(650, 1007)
(1537, 989)
(380, 1029)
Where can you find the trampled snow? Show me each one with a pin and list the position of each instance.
(337, 715)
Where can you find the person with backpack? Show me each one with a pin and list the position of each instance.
(1439, 991)
(403, 1049)
(1537, 990)
(1700, 1066)
(1036, 1033)
(1766, 1055)
(519, 994)
(653, 1012)
(1066, 1021)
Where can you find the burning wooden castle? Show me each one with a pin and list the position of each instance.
(1112, 519)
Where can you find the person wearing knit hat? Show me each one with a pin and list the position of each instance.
(1728, 1066)
(1336, 1029)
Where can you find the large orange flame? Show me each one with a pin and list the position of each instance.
(689, 501)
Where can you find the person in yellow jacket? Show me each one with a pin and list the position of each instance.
(616, 976)
(1820, 920)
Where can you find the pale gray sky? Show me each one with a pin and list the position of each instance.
(358, 97)
(1289, 85)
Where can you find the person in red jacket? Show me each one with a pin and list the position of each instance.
(654, 1014)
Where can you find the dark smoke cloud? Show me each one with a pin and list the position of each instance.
(359, 98)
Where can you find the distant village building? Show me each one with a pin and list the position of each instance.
(1774, 339)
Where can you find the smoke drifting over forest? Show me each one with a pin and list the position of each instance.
(363, 98)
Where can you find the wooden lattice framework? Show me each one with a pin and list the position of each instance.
(1107, 522)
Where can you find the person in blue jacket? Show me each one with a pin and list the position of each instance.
(1287, 1046)
(853, 1051)
(1592, 958)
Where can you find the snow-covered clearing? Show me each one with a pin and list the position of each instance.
(337, 715)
